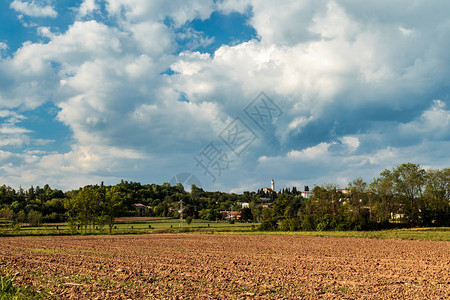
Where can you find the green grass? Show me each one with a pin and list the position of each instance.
(432, 234)
(10, 290)
(165, 225)
(44, 250)
(152, 225)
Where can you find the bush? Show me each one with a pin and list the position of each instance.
(6, 213)
(53, 218)
(294, 224)
(269, 225)
(324, 223)
(21, 217)
(189, 220)
(34, 218)
(285, 225)
(307, 223)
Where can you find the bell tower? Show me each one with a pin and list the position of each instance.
(272, 185)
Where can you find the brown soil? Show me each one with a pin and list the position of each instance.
(199, 266)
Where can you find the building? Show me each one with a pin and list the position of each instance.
(270, 190)
(306, 193)
(231, 215)
(243, 204)
(141, 208)
(267, 190)
(344, 191)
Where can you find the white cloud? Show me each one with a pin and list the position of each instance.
(178, 11)
(322, 164)
(10, 129)
(310, 153)
(352, 143)
(12, 135)
(87, 7)
(405, 31)
(334, 24)
(337, 76)
(78, 167)
(34, 8)
(194, 39)
(3, 48)
(45, 32)
(433, 123)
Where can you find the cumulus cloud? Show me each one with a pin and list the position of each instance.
(178, 11)
(433, 123)
(3, 48)
(34, 8)
(12, 134)
(88, 7)
(354, 91)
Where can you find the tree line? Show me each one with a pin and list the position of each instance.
(407, 195)
(97, 206)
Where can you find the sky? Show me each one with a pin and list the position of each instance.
(225, 94)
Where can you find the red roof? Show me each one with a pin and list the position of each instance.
(230, 212)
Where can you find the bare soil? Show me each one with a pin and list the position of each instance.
(201, 266)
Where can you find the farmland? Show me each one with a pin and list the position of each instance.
(199, 266)
(132, 225)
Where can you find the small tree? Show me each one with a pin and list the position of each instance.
(246, 214)
(189, 220)
(269, 225)
(34, 218)
(7, 213)
(21, 216)
(113, 206)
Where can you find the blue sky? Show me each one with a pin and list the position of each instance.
(233, 92)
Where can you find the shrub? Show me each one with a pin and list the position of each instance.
(324, 223)
(293, 224)
(285, 225)
(34, 218)
(269, 225)
(307, 223)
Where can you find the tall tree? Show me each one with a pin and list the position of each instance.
(382, 196)
(409, 181)
(112, 206)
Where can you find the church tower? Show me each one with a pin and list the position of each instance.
(272, 185)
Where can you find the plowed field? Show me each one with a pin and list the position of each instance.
(200, 266)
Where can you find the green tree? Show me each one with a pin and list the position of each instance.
(21, 216)
(7, 213)
(382, 197)
(409, 181)
(246, 214)
(214, 215)
(280, 205)
(266, 213)
(112, 206)
(16, 206)
(435, 207)
(34, 218)
(84, 208)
